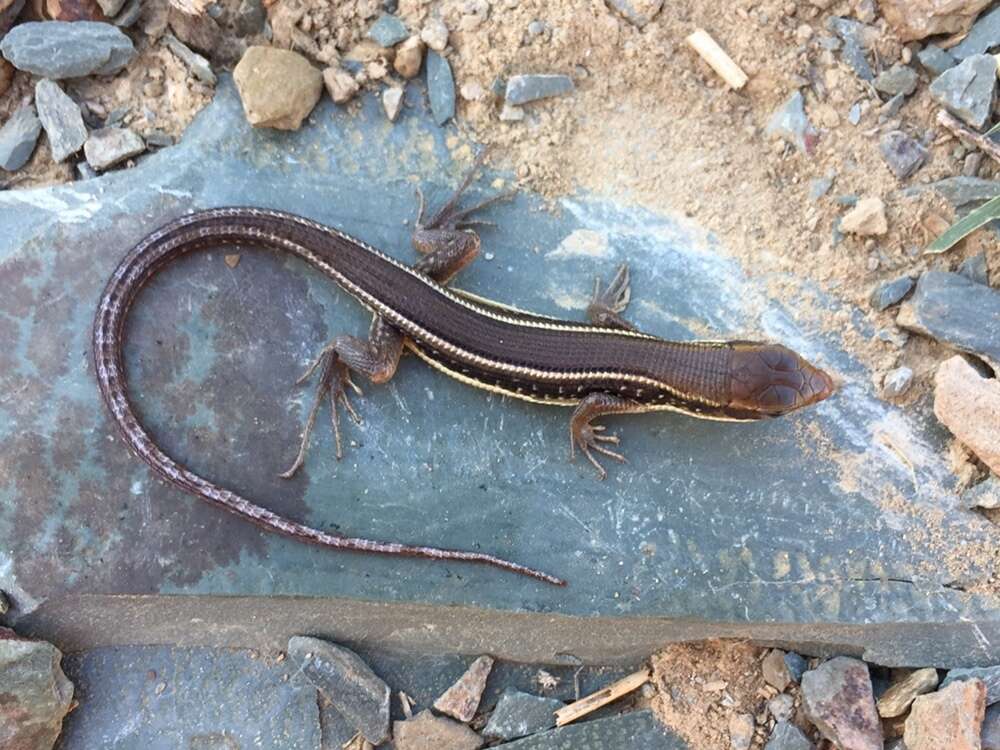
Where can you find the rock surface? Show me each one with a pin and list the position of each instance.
(519, 714)
(969, 89)
(837, 698)
(989, 676)
(34, 693)
(340, 84)
(786, 736)
(347, 682)
(775, 670)
(637, 729)
(897, 699)
(990, 733)
(18, 137)
(866, 219)
(278, 87)
(388, 31)
(969, 405)
(897, 382)
(916, 19)
(935, 60)
(899, 79)
(986, 494)
(889, 293)
(741, 728)
(58, 49)
(462, 699)
(440, 88)
(975, 269)
(955, 311)
(530, 88)
(409, 57)
(107, 147)
(984, 35)
(61, 118)
(903, 155)
(949, 719)
(425, 731)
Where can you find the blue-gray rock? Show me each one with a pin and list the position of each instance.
(637, 12)
(440, 88)
(633, 731)
(198, 65)
(837, 697)
(969, 89)
(960, 191)
(984, 35)
(852, 34)
(818, 187)
(986, 494)
(9, 14)
(786, 736)
(796, 666)
(59, 49)
(935, 60)
(519, 714)
(975, 269)
(789, 122)
(532, 87)
(903, 155)
(110, 8)
(990, 732)
(388, 31)
(36, 693)
(18, 137)
(899, 79)
(989, 675)
(854, 113)
(107, 147)
(249, 17)
(889, 293)
(129, 14)
(956, 311)
(347, 682)
(891, 108)
(897, 382)
(171, 698)
(61, 118)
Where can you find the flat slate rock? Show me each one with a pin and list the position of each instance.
(95, 549)
(957, 311)
(519, 714)
(440, 88)
(18, 137)
(529, 88)
(61, 118)
(969, 89)
(984, 34)
(60, 49)
(989, 675)
(638, 730)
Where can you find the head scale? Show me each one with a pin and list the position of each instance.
(772, 380)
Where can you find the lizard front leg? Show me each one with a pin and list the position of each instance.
(606, 305)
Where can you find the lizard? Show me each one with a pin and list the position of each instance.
(600, 367)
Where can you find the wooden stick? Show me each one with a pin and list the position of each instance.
(987, 145)
(603, 697)
(716, 57)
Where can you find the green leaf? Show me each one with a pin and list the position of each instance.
(995, 129)
(964, 227)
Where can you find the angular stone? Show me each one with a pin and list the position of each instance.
(867, 218)
(903, 155)
(9, 11)
(198, 65)
(990, 733)
(392, 102)
(786, 736)
(61, 118)
(989, 676)
(462, 699)
(637, 729)
(110, 8)
(962, 191)
(741, 728)
(897, 382)
(888, 293)
(129, 15)
(519, 714)
(440, 88)
(975, 269)
(837, 698)
(388, 31)
(425, 731)
(434, 34)
(935, 60)
(781, 707)
(637, 12)
(278, 87)
(18, 137)
(818, 187)
(60, 49)
(986, 494)
(347, 682)
(530, 88)
(340, 84)
(956, 311)
(949, 719)
(969, 89)
(983, 36)
(916, 19)
(899, 79)
(789, 122)
(853, 35)
(110, 146)
(409, 57)
(897, 699)
(775, 670)
(198, 31)
(35, 693)
(969, 405)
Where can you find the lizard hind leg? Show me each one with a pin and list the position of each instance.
(588, 437)
(376, 358)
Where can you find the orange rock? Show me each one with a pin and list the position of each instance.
(969, 406)
(949, 719)
(916, 19)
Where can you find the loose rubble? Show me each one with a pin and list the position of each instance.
(18, 137)
(440, 88)
(989, 676)
(969, 405)
(61, 118)
(461, 699)
(530, 88)
(787, 736)
(57, 50)
(425, 731)
(790, 123)
(866, 219)
(519, 714)
(968, 90)
(949, 719)
(986, 494)
(36, 693)
(279, 88)
(897, 699)
(837, 697)
(107, 147)
(903, 155)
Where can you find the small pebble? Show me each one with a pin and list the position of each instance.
(110, 146)
(435, 34)
(18, 137)
(818, 187)
(340, 84)
(472, 91)
(392, 101)
(440, 88)
(897, 382)
(529, 88)
(903, 155)
(409, 57)
(61, 118)
(854, 114)
(198, 65)
(971, 164)
(510, 113)
(388, 31)
(899, 79)
(935, 60)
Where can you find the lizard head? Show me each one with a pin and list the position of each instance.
(772, 380)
